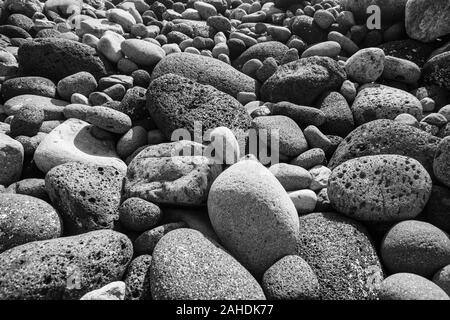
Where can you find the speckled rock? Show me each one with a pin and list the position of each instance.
(341, 255)
(303, 81)
(437, 71)
(57, 58)
(310, 158)
(441, 163)
(408, 286)
(290, 278)
(86, 196)
(307, 29)
(380, 188)
(338, 115)
(28, 85)
(109, 119)
(74, 141)
(139, 215)
(205, 70)
(133, 103)
(177, 102)
(137, 279)
(146, 242)
(154, 175)
(402, 70)
(426, 21)
(262, 51)
(267, 230)
(64, 268)
(366, 65)
(375, 138)
(416, 247)
(25, 219)
(442, 279)
(30, 187)
(186, 265)
(408, 49)
(292, 142)
(11, 158)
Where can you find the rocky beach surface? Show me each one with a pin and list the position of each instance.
(224, 149)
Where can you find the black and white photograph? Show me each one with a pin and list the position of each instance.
(226, 155)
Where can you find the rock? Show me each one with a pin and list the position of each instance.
(391, 11)
(86, 196)
(53, 108)
(146, 242)
(291, 177)
(310, 158)
(97, 28)
(194, 102)
(338, 115)
(27, 121)
(408, 286)
(340, 253)
(142, 52)
(437, 209)
(109, 119)
(284, 130)
(28, 85)
(366, 65)
(316, 139)
(30, 187)
(139, 215)
(290, 278)
(442, 279)
(375, 138)
(56, 58)
(135, 138)
(122, 17)
(416, 247)
(437, 71)
(408, 49)
(324, 49)
(26, 7)
(26, 219)
(137, 279)
(267, 230)
(11, 158)
(113, 291)
(207, 71)
(303, 116)
(133, 103)
(154, 175)
(64, 268)
(320, 177)
(402, 70)
(82, 82)
(427, 21)
(375, 101)
(307, 29)
(441, 163)
(346, 43)
(308, 78)
(304, 200)
(262, 51)
(381, 188)
(110, 45)
(73, 141)
(186, 265)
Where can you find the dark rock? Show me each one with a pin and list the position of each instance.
(137, 279)
(262, 51)
(28, 85)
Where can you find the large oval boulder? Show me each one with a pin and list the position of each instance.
(253, 215)
(188, 266)
(206, 70)
(342, 256)
(57, 58)
(63, 268)
(387, 137)
(175, 102)
(303, 81)
(380, 188)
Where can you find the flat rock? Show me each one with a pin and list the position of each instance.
(187, 265)
(53, 108)
(73, 141)
(206, 70)
(165, 174)
(64, 268)
(380, 188)
(28, 85)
